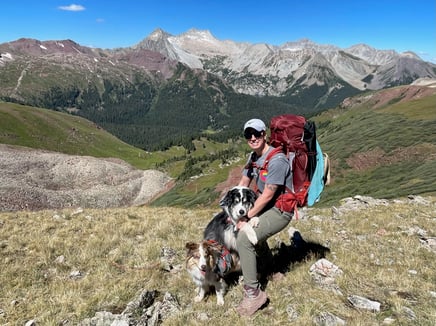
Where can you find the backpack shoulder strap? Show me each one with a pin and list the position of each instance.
(270, 155)
(268, 158)
(251, 163)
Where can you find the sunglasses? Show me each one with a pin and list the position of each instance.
(249, 133)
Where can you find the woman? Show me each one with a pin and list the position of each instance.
(270, 185)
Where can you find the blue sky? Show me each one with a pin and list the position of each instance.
(401, 25)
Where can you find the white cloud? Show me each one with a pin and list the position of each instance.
(100, 20)
(72, 7)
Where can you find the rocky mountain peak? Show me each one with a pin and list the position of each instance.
(372, 55)
(200, 43)
(306, 44)
(410, 54)
(361, 66)
(158, 35)
(34, 47)
(296, 67)
(199, 34)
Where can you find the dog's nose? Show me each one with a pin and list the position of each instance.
(203, 267)
(242, 212)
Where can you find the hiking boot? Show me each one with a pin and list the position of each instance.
(253, 300)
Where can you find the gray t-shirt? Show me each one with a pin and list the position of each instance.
(278, 170)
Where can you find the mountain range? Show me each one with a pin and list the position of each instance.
(293, 64)
(168, 89)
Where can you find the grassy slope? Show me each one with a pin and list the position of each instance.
(385, 153)
(60, 132)
(118, 251)
(399, 273)
(200, 190)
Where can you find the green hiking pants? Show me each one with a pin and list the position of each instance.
(271, 222)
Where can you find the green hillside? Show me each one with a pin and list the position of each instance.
(60, 132)
(385, 152)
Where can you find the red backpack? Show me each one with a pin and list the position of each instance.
(296, 137)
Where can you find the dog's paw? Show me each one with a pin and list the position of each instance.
(254, 221)
(219, 300)
(200, 295)
(198, 298)
(251, 235)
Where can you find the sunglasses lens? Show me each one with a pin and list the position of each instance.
(249, 133)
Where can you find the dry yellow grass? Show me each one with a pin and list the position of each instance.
(116, 254)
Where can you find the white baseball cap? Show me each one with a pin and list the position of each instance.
(257, 124)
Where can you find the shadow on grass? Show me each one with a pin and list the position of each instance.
(284, 258)
(298, 251)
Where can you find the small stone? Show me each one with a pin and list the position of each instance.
(77, 211)
(328, 319)
(364, 303)
(388, 321)
(203, 316)
(292, 313)
(60, 259)
(76, 275)
(325, 268)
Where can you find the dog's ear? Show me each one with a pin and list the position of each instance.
(252, 196)
(226, 200)
(191, 245)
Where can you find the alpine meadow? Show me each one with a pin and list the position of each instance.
(112, 160)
